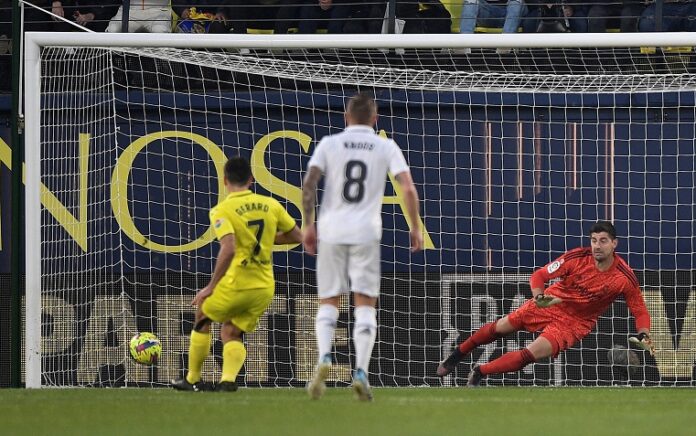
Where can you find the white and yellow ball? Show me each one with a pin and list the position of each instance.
(145, 348)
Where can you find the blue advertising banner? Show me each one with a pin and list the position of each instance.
(507, 182)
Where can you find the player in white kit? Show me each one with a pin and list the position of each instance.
(151, 16)
(355, 164)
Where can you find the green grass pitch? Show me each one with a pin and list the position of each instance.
(395, 411)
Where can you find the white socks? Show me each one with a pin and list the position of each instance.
(325, 326)
(364, 334)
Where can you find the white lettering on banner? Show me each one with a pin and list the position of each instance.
(114, 313)
(305, 340)
(61, 316)
(672, 362)
(514, 344)
(484, 309)
(256, 365)
(106, 311)
(171, 310)
(170, 315)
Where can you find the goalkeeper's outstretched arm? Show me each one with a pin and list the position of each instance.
(636, 305)
(538, 281)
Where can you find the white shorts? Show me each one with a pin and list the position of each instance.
(151, 20)
(342, 268)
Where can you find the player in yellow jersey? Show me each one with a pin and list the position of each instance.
(242, 286)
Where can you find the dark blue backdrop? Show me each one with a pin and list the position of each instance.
(495, 195)
(456, 143)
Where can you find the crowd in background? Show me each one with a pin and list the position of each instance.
(346, 16)
(355, 16)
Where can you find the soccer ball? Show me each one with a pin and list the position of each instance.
(145, 348)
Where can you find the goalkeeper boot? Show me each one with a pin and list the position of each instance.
(361, 386)
(181, 384)
(475, 377)
(449, 364)
(317, 386)
(226, 386)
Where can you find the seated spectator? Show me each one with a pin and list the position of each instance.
(575, 13)
(82, 12)
(677, 16)
(333, 12)
(287, 16)
(621, 15)
(152, 16)
(428, 16)
(244, 14)
(218, 15)
(360, 17)
(492, 13)
(433, 18)
(553, 16)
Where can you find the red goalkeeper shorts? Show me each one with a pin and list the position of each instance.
(556, 326)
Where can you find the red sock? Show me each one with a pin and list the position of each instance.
(508, 362)
(484, 335)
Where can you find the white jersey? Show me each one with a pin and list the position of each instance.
(152, 16)
(355, 163)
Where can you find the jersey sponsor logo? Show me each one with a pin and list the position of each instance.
(255, 261)
(553, 267)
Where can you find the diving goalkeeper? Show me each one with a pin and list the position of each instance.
(565, 312)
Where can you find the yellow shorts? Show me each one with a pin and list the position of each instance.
(242, 307)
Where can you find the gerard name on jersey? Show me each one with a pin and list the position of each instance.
(251, 207)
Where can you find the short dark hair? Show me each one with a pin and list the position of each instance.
(362, 108)
(603, 226)
(237, 170)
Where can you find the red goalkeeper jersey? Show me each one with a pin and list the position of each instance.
(586, 291)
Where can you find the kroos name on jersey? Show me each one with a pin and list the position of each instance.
(358, 145)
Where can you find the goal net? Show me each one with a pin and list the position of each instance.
(514, 151)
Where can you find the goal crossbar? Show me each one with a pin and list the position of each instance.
(365, 41)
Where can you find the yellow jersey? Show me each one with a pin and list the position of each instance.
(254, 220)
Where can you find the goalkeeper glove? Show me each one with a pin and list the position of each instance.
(643, 341)
(542, 300)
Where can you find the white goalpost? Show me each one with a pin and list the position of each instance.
(515, 153)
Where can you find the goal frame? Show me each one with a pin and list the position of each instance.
(34, 41)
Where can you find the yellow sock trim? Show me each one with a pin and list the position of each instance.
(199, 348)
(233, 356)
